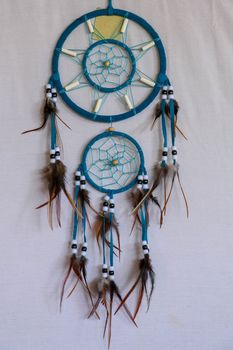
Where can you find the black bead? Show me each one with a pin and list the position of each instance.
(77, 178)
(111, 273)
(84, 249)
(140, 182)
(48, 90)
(57, 153)
(105, 204)
(164, 92)
(174, 152)
(164, 153)
(54, 94)
(52, 156)
(144, 247)
(170, 92)
(105, 270)
(145, 181)
(83, 182)
(74, 246)
(112, 205)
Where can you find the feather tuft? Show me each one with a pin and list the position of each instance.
(146, 273)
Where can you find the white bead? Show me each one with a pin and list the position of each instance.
(48, 86)
(54, 99)
(146, 252)
(111, 277)
(174, 148)
(107, 198)
(69, 52)
(105, 209)
(140, 177)
(147, 82)
(112, 210)
(77, 183)
(165, 149)
(83, 253)
(164, 96)
(98, 105)
(128, 102)
(146, 177)
(144, 242)
(171, 97)
(105, 266)
(164, 158)
(90, 26)
(49, 94)
(72, 85)
(52, 151)
(124, 25)
(111, 268)
(78, 173)
(139, 186)
(54, 90)
(148, 46)
(83, 177)
(85, 244)
(74, 250)
(145, 186)
(83, 187)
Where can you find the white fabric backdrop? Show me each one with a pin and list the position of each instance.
(192, 304)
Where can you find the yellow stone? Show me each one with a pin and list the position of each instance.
(111, 129)
(115, 162)
(107, 63)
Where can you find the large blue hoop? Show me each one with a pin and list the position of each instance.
(117, 43)
(161, 78)
(99, 137)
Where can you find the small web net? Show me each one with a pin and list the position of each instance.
(113, 162)
(109, 65)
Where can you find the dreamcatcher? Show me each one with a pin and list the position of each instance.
(111, 70)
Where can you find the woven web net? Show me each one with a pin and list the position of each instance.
(113, 162)
(108, 65)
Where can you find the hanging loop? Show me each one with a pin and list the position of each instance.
(110, 7)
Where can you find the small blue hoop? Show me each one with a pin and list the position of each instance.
(117, 43)
(99, 137)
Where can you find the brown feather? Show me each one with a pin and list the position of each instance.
(54, 175)
(98, 229)
(103, 287)
(176, 110)
(136, 197)
(114, 291)
(139, 301)
(49, 108)
(175, 171)
(66, 279)
(160, 173)
(79, 268)
(146, 272)
(158, 112)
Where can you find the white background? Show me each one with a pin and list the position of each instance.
(192, 305)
